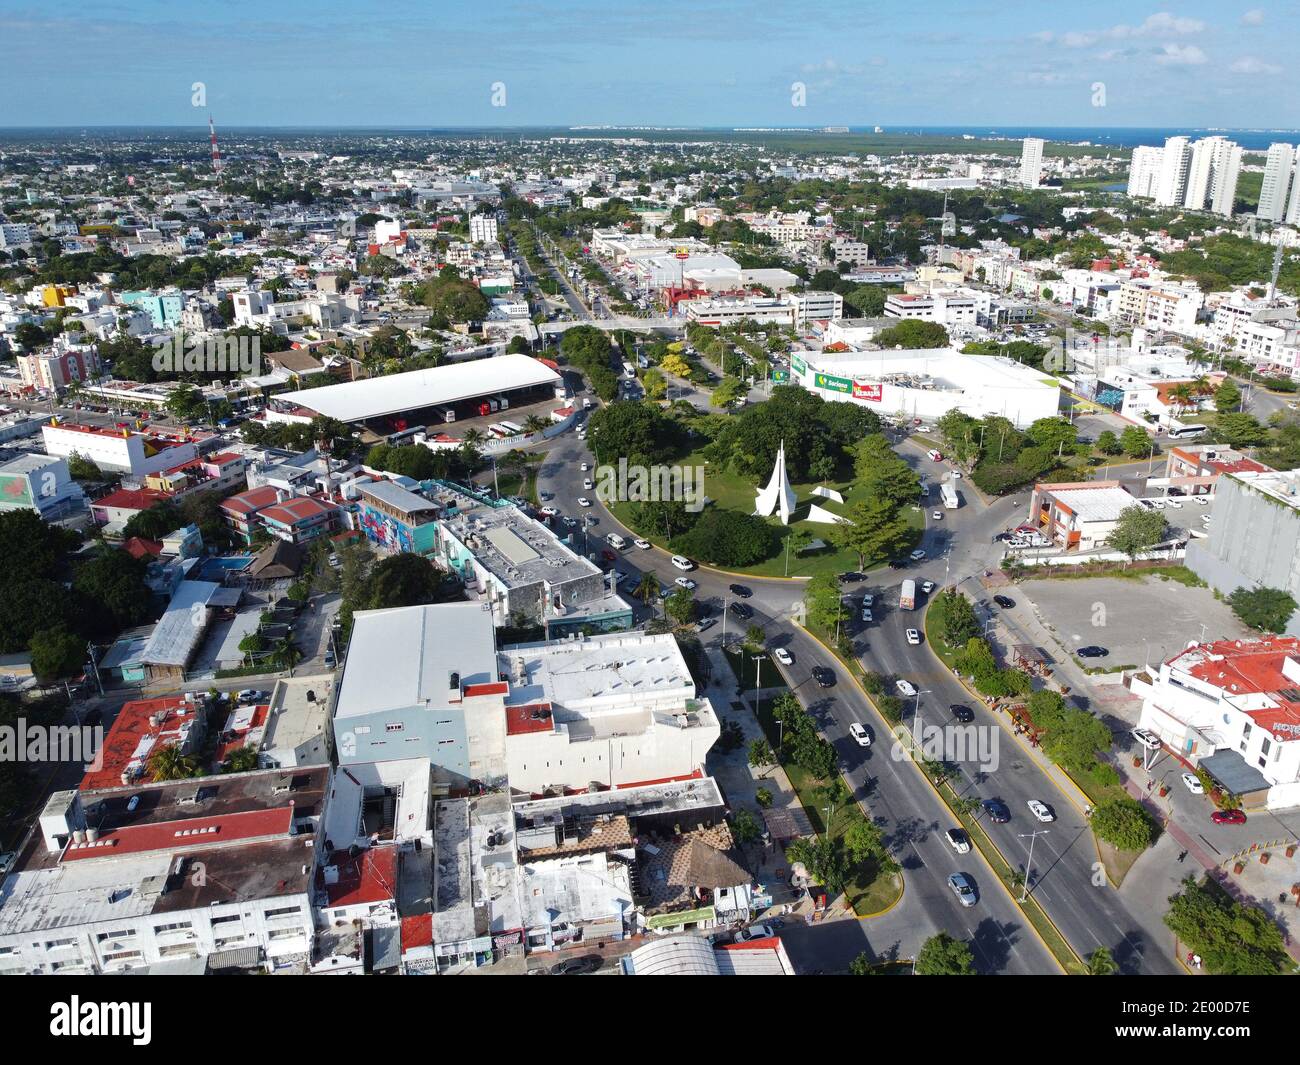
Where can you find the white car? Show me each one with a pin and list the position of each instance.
(1203, 501)
(958, 840)
(1193, 783)
(927, 587)
(682, 562)
(1156, 504)
(783, 656)
(685, 582)
(860, 735)
(588, 484)
(937, 515)
(755, 931)
(585, 467)
(548, 512)
(1148, 739)
(1041, 811)
(918, 555)
(905, 688)
(1173, 504)
(644, 545)
(583, 501)
(866, 615)
(913, 637)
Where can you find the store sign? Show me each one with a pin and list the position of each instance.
(833, 384)
(798, 365)
(867, 390)
(780, 377)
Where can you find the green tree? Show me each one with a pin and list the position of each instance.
(402, 580)
(745, 827)
(942, 955)
(168, 763)
(1227, 397)
(1136, 531)
(913, 333)
(760, 753)
(1232, 938)
(958, 623)
(1108, 443)
(823, 602)
(680, 606)
(1124, 823)
(1135, 442)
(115, 582)
(242, 760)
(728, 391)
(57, 653)
(873, 531)
(1237, 429)
(1101, 963)
(1265, 609)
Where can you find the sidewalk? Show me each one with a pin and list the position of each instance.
(740, 782)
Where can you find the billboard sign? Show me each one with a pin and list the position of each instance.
(833, 384)
(868, 390)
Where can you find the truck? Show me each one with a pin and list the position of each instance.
(950, 498)
(907, 595)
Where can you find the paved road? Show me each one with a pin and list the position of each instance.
(1064, 870)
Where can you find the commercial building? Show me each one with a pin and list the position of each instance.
(118, 450)
(1254, 537)
(942, 307)
(929, 383)
(420, 395)
(1195, 469)
(1231, 708)
(1081, 515)
(40, 483)
(396, 518)
(106, 883)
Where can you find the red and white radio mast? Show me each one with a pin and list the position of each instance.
(216, 154)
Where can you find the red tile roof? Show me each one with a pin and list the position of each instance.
(139, 547)
(250, 502)
(129, 728)
(1248, 667)
(298, 509)
(130, 499)
(369, 877)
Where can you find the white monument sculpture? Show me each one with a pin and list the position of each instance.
(778, 496)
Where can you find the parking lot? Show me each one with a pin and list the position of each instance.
(1133, 619)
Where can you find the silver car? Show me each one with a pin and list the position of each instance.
(963, 889)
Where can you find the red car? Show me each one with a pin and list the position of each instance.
(1228, 817)
(609, 556)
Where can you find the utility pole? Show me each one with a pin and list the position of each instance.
(1033, 836)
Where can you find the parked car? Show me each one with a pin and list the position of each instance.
(755, 931)
(937, 516)
(867, 616)
(685, 582)
(783, 656)
(743, 611)
(1092, 651)
(1147, 738)
(1193, 783)
(963, 889)
(1228, 817)
(958, 840)
(851, 577)
(860, 734)
(1004, 601)
(705, 623)
(1173, 504)
(1041, 811)
(7, 859)
(918, 555)
(581, 966)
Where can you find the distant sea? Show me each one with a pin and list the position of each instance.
(1119, 136)
(1255, 139)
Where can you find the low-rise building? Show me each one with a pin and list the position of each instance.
(40, 483)
(1080, 515)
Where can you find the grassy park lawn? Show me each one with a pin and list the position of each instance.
(731, 492)
(747, 671)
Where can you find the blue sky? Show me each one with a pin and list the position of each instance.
(702, 62)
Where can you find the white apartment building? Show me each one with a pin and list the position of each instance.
(1279, 173)
(1232, 709)
(1144, 171)
(483, 229)
(15, 234)
(851, 251)
(1212, 171)
(1031, 162)
(815, 306)
(1175, 161)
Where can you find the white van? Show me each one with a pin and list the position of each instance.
(615, 541)
(682, 562)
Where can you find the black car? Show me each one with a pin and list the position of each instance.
(964, 714)
(742, 611)
(741, 590)
(852, 577)
(580, 966)
(1005, 602)
(823, 676)
(1092, 651)
(898, 563)
(997, 811)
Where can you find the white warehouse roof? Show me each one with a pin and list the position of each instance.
(442, 385)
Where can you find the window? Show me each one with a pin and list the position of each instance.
(283, 911)
(394, 726)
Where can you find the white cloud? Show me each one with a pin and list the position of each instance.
(1249, 64)
(1253, 17)
(1161, 24)
(1180, 55)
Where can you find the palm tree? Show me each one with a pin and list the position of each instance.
(534, 423)
(1100, 963)
(167, 763)
(473, 438)
(648, 590)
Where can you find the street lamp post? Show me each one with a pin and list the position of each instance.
(1029, 867)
